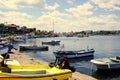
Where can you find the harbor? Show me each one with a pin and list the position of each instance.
(59, 40)
(84, 67)
(27, 60)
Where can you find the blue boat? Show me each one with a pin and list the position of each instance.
(52, 42)
(3, 49)
(74, 54)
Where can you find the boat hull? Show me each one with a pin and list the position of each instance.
(3, 49)
(33, 48)
(35, 72)
(74, 54)
(52, 43)
(106, 63)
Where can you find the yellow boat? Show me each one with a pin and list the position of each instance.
(33, 72)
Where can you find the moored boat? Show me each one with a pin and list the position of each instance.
(74, 54)
(19, 39)
(107, 63)
(32, 47)
(3, 49)
(33, 72)
(52, 42)
(38, 72)
(4, 41)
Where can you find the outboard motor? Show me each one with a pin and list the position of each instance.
(62, 63)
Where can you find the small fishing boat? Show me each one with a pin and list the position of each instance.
(52, 42)
(107, 63)
(18, 39)
(3, 41)
(33, 72)
(3, 49)
(74, 54)
(32, 47)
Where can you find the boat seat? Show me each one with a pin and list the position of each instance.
(31, 72)
(6, 70)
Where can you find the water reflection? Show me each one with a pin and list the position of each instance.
(109, 74)
(73, 60)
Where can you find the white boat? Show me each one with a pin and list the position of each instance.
(19, 39)
(3, 49)
(107, 63)
(3, 41)
(32, 47)
(74, 54)
(52, 42)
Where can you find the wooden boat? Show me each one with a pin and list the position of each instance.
(74, 54)
(107, 63)
(32, 47)
(52, 42)
(33, 72)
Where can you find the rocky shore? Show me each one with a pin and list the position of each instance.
(28, 60)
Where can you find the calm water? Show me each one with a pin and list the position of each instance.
(105, 46)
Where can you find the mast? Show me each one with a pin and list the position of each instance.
(53, 26)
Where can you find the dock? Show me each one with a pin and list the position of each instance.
(28, 60)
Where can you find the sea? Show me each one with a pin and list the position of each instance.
(104, 46)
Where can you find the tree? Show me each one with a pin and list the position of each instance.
(2, 27)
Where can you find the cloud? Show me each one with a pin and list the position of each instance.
(108, 4)
(33, 3)
(61, 23)
(18, 4)
(45, 22)
(102, 22)
(69, 1)
(76, 18)
(18, 18)
(81, 10)
(54, 7)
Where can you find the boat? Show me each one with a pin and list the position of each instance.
(33, 72)
(52, 42)
(3, 41)
(18, 39)
(32, 47)
(37, 72)
(3, 49)
(107, 63)
(74, 54)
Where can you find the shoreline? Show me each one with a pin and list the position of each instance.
(24, 59)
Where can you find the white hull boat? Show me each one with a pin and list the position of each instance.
(3, 49)
(107, 63)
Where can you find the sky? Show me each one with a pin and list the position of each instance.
(62, 15)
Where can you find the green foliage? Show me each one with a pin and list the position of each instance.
(1, 25)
